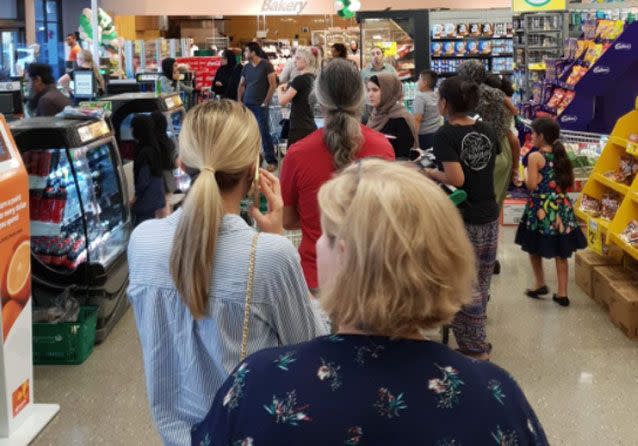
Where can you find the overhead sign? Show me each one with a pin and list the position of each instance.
(283, 6)
(538, 5)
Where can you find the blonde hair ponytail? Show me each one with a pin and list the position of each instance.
(221, 140)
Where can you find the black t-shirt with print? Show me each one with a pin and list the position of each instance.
(301, 115)
(475, 147)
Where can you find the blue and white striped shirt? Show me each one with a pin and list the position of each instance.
(187, 360)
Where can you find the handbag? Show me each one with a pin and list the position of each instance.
(245, 331)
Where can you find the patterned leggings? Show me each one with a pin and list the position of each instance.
(469, 323)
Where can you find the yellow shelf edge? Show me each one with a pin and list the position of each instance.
(622, 142)
(620, 188)
(634, 196)
(625, 246)
(602, 222)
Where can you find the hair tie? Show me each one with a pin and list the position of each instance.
(209, 169)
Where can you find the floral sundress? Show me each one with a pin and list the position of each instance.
(548, 227)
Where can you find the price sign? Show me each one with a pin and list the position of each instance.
(594, 236)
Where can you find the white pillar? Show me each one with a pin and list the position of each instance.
(96, 33)
(29, 21)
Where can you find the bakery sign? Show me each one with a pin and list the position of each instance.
(275, 7)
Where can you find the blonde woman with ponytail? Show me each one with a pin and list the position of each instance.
(85, 63)
(202, 280)
(314, 160)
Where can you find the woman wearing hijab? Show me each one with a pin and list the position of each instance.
(227, 77)
(389, 115)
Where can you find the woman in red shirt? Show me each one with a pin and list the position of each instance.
(312, 161)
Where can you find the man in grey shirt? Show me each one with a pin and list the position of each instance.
(44, 97)
(426, 109)
(377, 64)
(256, 88)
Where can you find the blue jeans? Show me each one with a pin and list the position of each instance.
(263, 119)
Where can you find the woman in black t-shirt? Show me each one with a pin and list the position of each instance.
(466, 150)
(302, 118)
(389, 115)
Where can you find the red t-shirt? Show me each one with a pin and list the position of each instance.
(306, 167)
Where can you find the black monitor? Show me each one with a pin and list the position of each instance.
(11, 98)
(83, 84)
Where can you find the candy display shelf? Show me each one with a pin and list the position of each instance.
(619, 146)
(607, 88)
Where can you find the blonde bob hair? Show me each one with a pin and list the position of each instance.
(305, 53)
(408, 264)
(220, 140)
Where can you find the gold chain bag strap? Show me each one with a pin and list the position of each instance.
(249, 299)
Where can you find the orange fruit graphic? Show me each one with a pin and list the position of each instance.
(10, 312)
(18, 273)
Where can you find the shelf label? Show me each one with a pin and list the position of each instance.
(538, 5)
(632, 148)
(594, 236)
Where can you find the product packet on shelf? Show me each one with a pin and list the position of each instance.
(449, 30)
(581, 48)
(567, 99)
(448, 48)
(630, 234)
(571, 48)
(485, 47)
(590, 205)
(487, 29)
(593, 53)
(472, 47)
(438, 31)
(557, 98)
(460, 49)
(475, 29)
(576, 75)
(462, 30)
(437, 48)
(609, 205)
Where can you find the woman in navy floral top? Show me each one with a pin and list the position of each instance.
(378, 380)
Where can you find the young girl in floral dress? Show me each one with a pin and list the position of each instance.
(549, 228)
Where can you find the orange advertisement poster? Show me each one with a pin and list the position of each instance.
(20, 397)
(15, 249)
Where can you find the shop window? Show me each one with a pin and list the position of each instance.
(48, 25)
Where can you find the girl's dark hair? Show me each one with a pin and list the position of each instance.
(494, 81)
(230, 56)
(167, 68)
(148, 148)
(563, 169)
(166, 144)
(341, 50)
(461, 94)
(503, 84)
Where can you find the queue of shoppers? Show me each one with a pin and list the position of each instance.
(246, 341)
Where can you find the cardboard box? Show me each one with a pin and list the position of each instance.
(607, 281)
(512, 212)
(586, 261)
(623, 308)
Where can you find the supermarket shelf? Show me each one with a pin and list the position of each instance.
(474, 56)
(562, 85)
(544, 31)
(586, 217)
(629, 249)
(541, 48)
(620, 188)
(617, 140)
(455, 39)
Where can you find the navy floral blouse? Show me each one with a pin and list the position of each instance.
(363, 390)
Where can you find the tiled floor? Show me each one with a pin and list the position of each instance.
(578, 371)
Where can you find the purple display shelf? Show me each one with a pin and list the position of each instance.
(609, 88)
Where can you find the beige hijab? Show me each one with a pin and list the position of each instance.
(391, 106)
